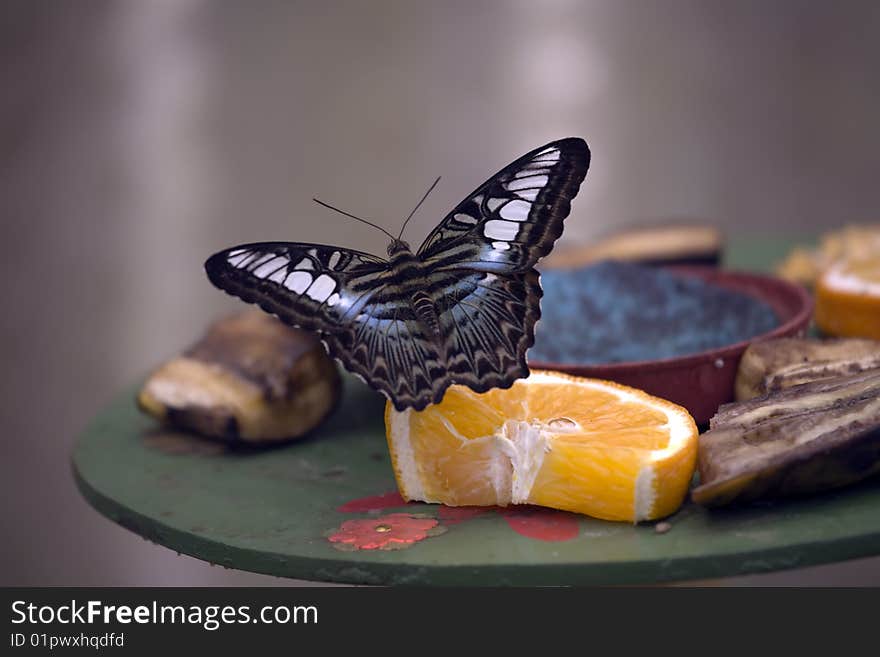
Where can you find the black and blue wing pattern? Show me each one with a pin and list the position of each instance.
(512, 220)
(354, 301)
(461, 310)
(488, 323)
(308, 285)
(488, 245)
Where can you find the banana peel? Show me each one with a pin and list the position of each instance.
(808, 438)
(782, 363)
(664, 244)
(250, 378)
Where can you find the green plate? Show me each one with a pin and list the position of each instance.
(273, 511)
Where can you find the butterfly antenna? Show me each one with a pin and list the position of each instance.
(418, 205)
(369, 223)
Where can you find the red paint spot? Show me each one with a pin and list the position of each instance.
(541, 524)
(373, 503)
(452, 515)
(529, 521)
(389, 532)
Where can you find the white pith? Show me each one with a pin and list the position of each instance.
(402, 452)
(520, 446)
(524, 444)
(840, 279)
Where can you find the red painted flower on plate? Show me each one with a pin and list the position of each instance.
(390, 532)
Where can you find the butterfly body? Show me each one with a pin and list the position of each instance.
(411, 301)
(461, 309)
(423, 304)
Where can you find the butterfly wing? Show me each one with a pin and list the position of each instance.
(307, 285)
(351, 299)
(476, 269)
(512, 220)
(481, 257)
(488, 321)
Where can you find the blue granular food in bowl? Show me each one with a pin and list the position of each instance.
(614, 312)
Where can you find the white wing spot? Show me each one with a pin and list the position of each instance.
(525, 183)
(305, 264)
(253, 264)
(493, 203)
(501, 230)
(268, 267)
(279, 276)
(516, 211)
(528, 194)
(298, 282)
(313, 253)
(551, 155)
(531, 173)
(500, 246)
(322, 288)
(334, 259)
(465, 218)
(235, 259)
(333, 299)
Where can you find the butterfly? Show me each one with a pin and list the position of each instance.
(462, 309)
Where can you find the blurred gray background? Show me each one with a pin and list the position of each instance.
(138, 137)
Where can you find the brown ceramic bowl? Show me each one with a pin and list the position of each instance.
(703, 381)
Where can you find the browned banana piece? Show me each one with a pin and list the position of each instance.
(665, 244)
(807, 438)
(806, 398)
(249, 378)
(778, 364)
(790, 455)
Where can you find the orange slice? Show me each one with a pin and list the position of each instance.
(848, 298)
(582, 445)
